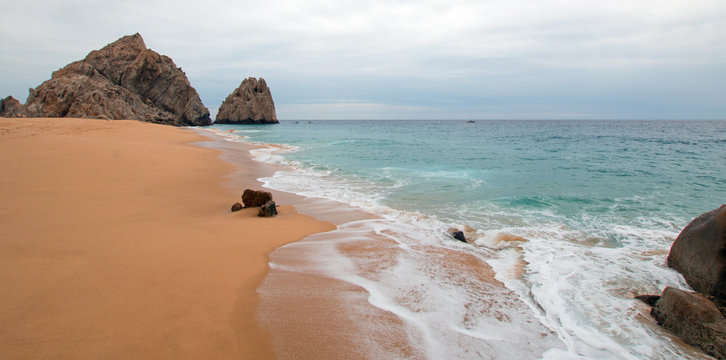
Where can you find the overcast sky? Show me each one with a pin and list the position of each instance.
(398, 59)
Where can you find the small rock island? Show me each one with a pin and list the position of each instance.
(250, 103)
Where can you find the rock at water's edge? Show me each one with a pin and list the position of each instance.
(457, 234)
(123, 80)
(648, 299)
(699, 253)
(250, 103)
(693, 318)
(268, 209)
(252, 198)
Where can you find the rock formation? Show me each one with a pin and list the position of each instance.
(123, 80)
(456, 234)
(236, 207)
(11, 107)
(250, 103)
(252, 198)
(268, 209)
(693, 318)
(699, 253)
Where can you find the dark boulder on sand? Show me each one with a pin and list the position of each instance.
(250, 103)
(693, 318)
(253, 198)
(123, 80)
(268, 209)
(699, 253)
(236, 207)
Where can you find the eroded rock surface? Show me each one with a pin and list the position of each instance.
(250, 103)
(694, 318)
(254, 198)
(699, 253)
(123, 80)
(268, 209)
(12, 108)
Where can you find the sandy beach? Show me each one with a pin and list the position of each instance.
(116, 241)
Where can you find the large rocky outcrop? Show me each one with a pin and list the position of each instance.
(250, 103)
(123, 80)
(699, 253)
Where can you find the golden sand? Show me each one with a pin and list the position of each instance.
(116, 242)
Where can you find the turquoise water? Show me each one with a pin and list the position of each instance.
(599, 203)
(624, 170)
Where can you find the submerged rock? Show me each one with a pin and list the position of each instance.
(699, 253)
(268, 209)
(457, 234)
(693, 318)
(250, 103)
(253, 198)
(123, 80)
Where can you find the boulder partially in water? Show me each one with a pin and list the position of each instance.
(123, 80)
(457, 234)
(699, 253)
(693, 318)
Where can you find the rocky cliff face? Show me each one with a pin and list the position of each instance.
(250, 103)
(123, 80)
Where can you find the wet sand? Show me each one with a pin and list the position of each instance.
(116, 241)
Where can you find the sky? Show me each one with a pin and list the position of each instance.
(400, 59)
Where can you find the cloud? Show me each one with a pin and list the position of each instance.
(447, 57)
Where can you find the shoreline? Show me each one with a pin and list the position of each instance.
(327, 276)
(351, 281)
(321, 324)
(117, 241)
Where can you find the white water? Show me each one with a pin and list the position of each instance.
(574, 299)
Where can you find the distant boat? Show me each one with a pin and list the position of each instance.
(470, 121)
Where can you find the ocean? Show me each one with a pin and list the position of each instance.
(566, 222)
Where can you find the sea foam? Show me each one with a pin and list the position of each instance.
(563, 292)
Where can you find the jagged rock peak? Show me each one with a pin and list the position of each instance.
(122, 80)
(134, 41)
(250, 103)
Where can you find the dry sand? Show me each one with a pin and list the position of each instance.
(116, 242)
